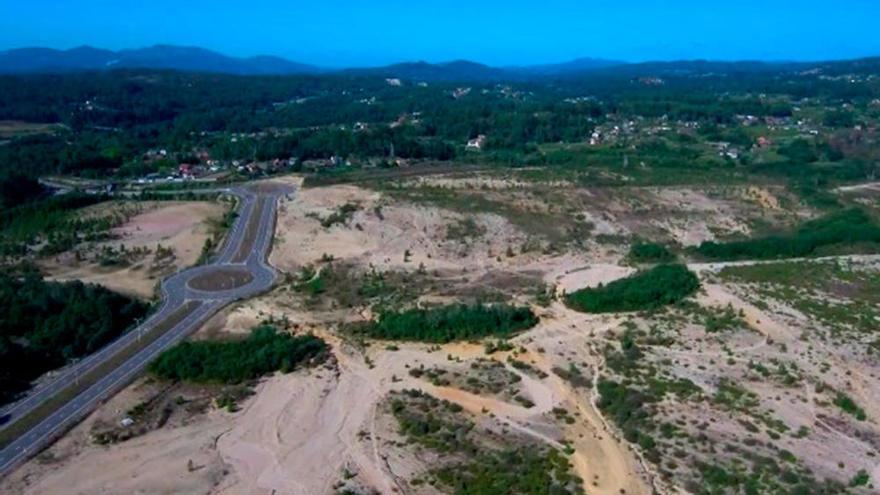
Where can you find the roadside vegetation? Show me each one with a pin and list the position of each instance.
(449, 323)
(650, 289)
(264, 351)
(45, 325)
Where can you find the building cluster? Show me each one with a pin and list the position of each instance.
(200, 165)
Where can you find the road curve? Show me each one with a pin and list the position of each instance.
(183, 309)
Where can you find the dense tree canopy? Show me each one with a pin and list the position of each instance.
(109, 119)
(850, 229)
(264, 351)
(449, 323)
(661, 285)
(650, 252)
(43, 325)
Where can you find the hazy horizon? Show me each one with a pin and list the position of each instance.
(347, 34)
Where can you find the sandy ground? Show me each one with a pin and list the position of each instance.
(381, 235)
(154, 463)
(301, 433)
(181, 226)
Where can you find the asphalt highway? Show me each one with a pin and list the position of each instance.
(256, 208)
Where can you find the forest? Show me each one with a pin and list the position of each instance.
(846, 231)
(449, 323)
(650, 252)
(111, 119)
(264, 351)
(44, 325)
(650, 289)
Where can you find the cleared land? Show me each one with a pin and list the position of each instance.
(179, 228)
(765, 377)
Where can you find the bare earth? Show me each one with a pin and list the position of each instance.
(305, 432)
(182, 226)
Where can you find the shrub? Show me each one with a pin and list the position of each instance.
(661, 285)
(845, 403)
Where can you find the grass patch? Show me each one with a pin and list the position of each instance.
(843, 296)
(341, 216)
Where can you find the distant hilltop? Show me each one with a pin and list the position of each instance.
(37, 60)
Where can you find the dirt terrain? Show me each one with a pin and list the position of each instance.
(179, 227)
(328, 429)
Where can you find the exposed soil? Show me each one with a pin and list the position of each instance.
(312, 432)
(182, 227)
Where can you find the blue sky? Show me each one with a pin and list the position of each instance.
(351, 33)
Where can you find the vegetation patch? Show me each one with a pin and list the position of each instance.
(264, 351)
(633, 395)
(347, 286)
(659, 286)
(464, 229)
(44, 325)
(650, 252)
(849, 406)
(843, 296)
(850, 230)
(449, 323)
(471, 464)
(341, 216)
(485, 377)
(53, 223)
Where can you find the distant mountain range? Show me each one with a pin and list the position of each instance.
(194, 59)
(190, 59)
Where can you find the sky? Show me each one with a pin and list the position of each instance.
(340, 33)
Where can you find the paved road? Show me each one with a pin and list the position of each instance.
(256, 217)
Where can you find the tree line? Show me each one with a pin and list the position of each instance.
(450, 323)
(849, 230)
(264, 351)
